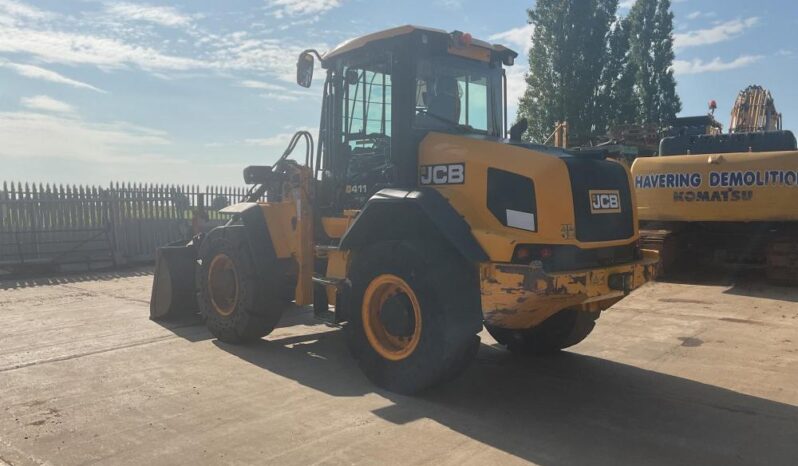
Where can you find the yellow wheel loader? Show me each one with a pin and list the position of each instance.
(417, 221)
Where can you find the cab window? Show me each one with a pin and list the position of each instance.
(366, 127)
(453, 92)
(367, 102)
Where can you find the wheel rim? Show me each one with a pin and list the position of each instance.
(389, 294)
(223, 284)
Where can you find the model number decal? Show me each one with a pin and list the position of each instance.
(604, 201)
(356, 189)
(449, 173)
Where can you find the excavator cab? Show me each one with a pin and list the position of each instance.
(414, 222)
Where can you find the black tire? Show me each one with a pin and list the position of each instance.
(562, 330)
(447, 292)
(256, 307)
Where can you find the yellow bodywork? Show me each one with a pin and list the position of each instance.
(552, 190)
(522, 296)
(734, 187)
(290, 224)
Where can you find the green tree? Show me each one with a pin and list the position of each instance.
(651, 57)
(616, 99)
(566, 61)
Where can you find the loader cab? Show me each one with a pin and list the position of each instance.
(385, 92)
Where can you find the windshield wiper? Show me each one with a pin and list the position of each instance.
(452, 123)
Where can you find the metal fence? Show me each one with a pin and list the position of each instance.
(47, 226)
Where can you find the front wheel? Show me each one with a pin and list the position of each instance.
(236, 305)
(562, 330)
(414, 315)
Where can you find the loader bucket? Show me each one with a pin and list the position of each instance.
(173, 293)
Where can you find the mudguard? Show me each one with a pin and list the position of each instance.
(259, 239)
(394, 214)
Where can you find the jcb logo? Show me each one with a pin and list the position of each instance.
(605, 202)
(451, 173)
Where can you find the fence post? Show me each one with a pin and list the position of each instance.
(108, 213)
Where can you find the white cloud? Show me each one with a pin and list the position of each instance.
(277, 91)
(110, 42)
(626, 4)
(60, 148)
(75, 48)
(283, 8)
(269, 55)
(701, 14)
(280, 96)
(89, 38)
(280, 140)
(719, 33)
(520, 37)
(47, 104)
(516, 86)
(450, 4)
(35, 72)
(29, 135)
(162, 15)
(15, 9)
(697, 66)
(252, 84)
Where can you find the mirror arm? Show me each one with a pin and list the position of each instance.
(313, 52)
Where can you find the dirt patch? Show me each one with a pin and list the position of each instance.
(691, 342)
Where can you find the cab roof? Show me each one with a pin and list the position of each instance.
(359, 42)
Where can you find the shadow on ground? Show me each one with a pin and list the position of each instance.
(192, 328)
(563, 410)
(76, 277)
(748, 283)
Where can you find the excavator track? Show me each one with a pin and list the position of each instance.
(782, 261)
(667, 244)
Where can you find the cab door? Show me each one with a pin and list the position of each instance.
(365, 162)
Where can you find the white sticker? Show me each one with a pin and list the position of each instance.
(523, 220)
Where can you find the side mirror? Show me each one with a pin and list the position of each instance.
(304, 69)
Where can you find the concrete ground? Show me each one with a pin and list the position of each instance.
(675, 374)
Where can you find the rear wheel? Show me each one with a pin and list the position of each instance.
(236, 305)
(565, 328)
(414, 315)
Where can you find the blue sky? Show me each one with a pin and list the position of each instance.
(193, 91)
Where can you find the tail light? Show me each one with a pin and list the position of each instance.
(526, 253)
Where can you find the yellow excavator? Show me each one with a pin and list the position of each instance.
(728, 200)
(416, 220)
